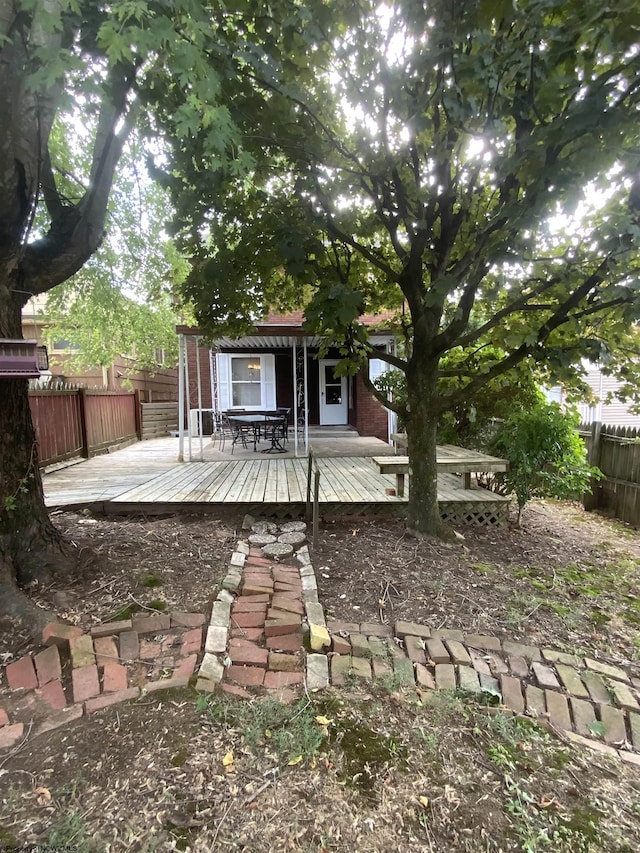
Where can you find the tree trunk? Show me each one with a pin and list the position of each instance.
(31, 549)
(423, 514)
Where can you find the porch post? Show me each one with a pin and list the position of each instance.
(188, 393)
(212, 384)
(295, 400)
(181, 397)
(199, 397)
(306, 399)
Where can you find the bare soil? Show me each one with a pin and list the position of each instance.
(363, 769)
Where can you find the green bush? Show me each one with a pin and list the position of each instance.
(547, 457)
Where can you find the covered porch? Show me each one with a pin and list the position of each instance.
(277, 367)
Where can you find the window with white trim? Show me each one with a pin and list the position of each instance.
(246, 384)
(246, 381)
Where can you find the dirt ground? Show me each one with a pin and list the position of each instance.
(365, 769)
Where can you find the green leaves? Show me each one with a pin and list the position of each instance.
(547, 457)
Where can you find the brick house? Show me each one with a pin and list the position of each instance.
(279, 366)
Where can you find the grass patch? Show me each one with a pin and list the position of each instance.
(288, 732)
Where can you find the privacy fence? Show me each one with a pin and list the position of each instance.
(616, 452)
(72, 422)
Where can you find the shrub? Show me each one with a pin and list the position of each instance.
(547, 457)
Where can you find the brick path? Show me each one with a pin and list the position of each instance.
(268, 633)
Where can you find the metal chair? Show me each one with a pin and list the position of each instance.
(221, 429)
(284, 412)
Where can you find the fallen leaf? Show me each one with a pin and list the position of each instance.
(43, 796)
(227, 761)
(295, 761)
(424, 801)
(323, 721)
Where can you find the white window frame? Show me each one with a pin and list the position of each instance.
(267, 381)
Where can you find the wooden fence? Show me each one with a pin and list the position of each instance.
(73, 422)
(616, 452)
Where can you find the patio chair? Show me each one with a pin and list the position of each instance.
(221, 430)
(284, 429)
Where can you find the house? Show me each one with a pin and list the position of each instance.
(607, 408)
(279, 365)
(157, 385)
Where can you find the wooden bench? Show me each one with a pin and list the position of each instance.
(449, 459)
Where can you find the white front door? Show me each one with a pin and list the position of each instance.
(333, 394)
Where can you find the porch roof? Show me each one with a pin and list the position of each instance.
(283, 331)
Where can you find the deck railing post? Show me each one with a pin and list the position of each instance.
(309, 470)
(316, 505)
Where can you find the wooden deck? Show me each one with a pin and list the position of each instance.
(347, 484)
(144, 479)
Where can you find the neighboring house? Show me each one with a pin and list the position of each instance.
(278, 366)
(157, 385)
(612, 412)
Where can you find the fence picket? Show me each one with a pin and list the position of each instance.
(72, 422)
(618, 457)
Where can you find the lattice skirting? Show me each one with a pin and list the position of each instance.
(477, 513)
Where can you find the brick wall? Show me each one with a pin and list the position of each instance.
(203, 354)
(367, 415)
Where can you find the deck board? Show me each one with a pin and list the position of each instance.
(350, 480)
(144, 478)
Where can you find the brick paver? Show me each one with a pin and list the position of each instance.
(415, 649)
(606, 669)
(21, 674)
(534, 700)
(572, 681)
(613, 721)
(584, 716)
(545, 676)
(458, 652)
(558, 709)
(445, 676)
(623, 696)
(129, 645)
(106, 650)
(114, 678)
(53, 694)
(511, 690)
(598, 690)
(85, 682)
(437, 652)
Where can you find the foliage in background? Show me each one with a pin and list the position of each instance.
(121, 302)
(547, 457)
(471, 421)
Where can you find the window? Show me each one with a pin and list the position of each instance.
(246, 381)
(63, 344)
(246, 385)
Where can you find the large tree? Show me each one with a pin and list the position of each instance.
(476, 161)
(103, 67)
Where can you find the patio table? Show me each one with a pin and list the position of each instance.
(258, 421)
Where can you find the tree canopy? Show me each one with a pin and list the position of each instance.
(97, 71)
(475, 163)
